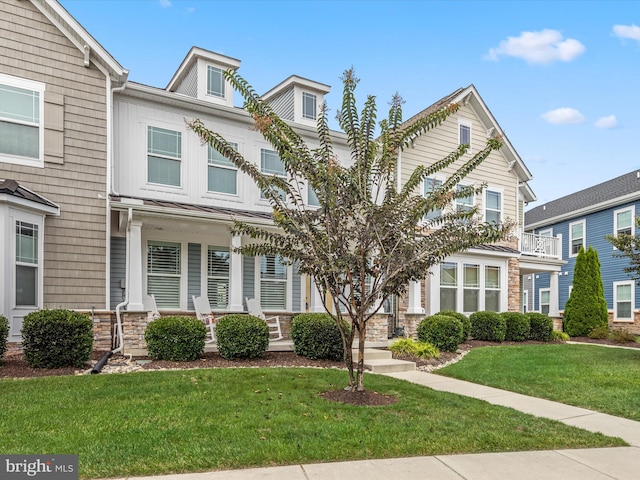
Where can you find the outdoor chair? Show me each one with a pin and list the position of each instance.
(275, 333)
(149, 305)
(205, 315)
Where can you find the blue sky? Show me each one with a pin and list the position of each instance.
(560, 77)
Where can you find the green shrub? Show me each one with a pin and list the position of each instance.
(57, 338)
(489, 326)
(466, 323)
(599, 332)
(242, 336)
(560, 337)
(518, 326)
(4, 334)
(176, 338)
(317, 336)
(623, 336)
(442, 331)
(413, 349)
(541, 326)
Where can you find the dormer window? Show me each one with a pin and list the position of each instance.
(309, 106)
(215, 82)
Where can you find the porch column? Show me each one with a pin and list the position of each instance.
(315, 300)
(554, 308)
(235, 276)
(135, 266)
(415, 298)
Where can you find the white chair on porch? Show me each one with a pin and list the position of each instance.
(275, 332)
(149, 305)
(205, 315)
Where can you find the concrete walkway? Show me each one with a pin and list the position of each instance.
(621, 463)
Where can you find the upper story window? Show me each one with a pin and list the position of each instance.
(623, 221)
(21, 125)
(271, 163)
(464, 133)
(164, 153)
(164, 273)
(215, 82)
(218, 277)
(222, 174)
(309, 108)
(576, 237)
(312, 198)
(464, 204)
(429, 186)
(26, 264)
(493, 206)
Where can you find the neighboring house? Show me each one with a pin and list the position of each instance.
(486, 277)
(55, 94)
(582, 219)
(174, 200)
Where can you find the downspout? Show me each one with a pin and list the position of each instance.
(120, 347)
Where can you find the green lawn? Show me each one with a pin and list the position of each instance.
(196, 420)
(597, 378)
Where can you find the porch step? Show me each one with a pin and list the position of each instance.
(389, 365)
(372, 354)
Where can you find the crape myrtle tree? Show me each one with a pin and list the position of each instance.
(628, 247)
(368, 238)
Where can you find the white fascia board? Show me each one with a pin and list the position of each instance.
(490, 253)
(208, 56)
(29, 205)
(77, 35)
(296, 80)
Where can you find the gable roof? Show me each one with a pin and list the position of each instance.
(191, 59)
(470, 96)
(12, 192)
(613, 192)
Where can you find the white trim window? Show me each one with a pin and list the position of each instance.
(312, 198)
(271, 163)
(215, 82)
(222, 174)
(471, 292)
(492, 288)
(525, 301)
(464, 204)
(493, 206)
(449, 286)
(273, 283)
(21, 121)
(545, 300)
(309, 106)
(27, 271)
(429, 185)
(164, 273)
(576, 237)
(464, 133)
(164, 156)
(623, 301)
(623, 221)
(218, 277)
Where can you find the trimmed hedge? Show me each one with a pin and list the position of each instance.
(466, 323)
(411, 348)
(4, 334)
(442, 331)
(541, 326)
(57, 338)
(317, 336)
(176, 338)
(488, 326)
(518, 326)
(242, 336)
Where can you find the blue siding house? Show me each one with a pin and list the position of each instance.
(583, 219)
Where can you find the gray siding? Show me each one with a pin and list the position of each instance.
(118, 270)
(189, 85)
(283, 104)
(194, 271)
(248, 278)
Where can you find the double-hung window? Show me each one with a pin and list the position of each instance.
(623, 300)
(429, 186)
(218, 277)
(448, 286)
(493, 206)
(492, 288)
(273, 283)
(545, 300)
(21, 121)
(312, 199)
(464, 134)
(471, 292)
(309, 108)
(215, 82)
(164, 154)
(163, 273)
(26, 264)
(464, 204)
(271, 163)
(222, 174)
(623, 221)
(576, 237)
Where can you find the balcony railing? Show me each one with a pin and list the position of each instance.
(540, 245)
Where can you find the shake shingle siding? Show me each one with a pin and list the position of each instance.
(75, 242)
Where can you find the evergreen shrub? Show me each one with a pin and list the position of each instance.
(518, 326)
(4, 334)
(410, 348)
(317, 336)
(176, 338)
(466, 323)
(541, 326)
(242, 336)
(488, 326)
(442, 331)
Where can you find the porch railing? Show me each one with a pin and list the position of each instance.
(539, 245)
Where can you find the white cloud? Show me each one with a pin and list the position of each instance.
(563, 115)
(545, 46)
(627, 31)
(165, 3)
(607, 122)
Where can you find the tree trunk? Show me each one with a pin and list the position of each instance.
(361, 336)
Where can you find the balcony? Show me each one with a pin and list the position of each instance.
(540, 245)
